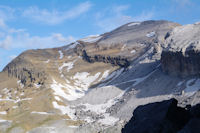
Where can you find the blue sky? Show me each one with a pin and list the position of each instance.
(32, 24)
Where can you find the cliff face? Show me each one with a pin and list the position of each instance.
(181, 54)
(27, 74)
(180, 64)
(115, 61)
(29, 68)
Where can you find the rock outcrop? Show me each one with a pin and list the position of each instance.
(164, 117)
(115, 61)
(182, 53)
(25, 71)
(181, 64)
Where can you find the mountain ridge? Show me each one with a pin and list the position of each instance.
(93, 84)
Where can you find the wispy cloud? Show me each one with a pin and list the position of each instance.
(55, 17)
(12, 57)
(5, 43)
(11, 38)
(26, 41)
(115, 16)
(144, 16)
(182, 3)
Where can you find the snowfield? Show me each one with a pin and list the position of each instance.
(69, 66)
(133, 24)
(151, 34)
(192, 86)
(91, 38)
(81, 83)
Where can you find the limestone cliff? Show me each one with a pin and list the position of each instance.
(182, 53)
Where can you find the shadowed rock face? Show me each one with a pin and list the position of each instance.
(24, 70)
(158, 117)
(115, 61)
(179, 64)
(164, 117)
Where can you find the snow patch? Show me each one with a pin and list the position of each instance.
(47, 61)
(14, 107)
(91, 38)
(20, 83)
(83, 80)
(133, 51)
(73, 126)
(69, 66)
(5, 90)
(65, 110)
(151, 34)
(66, 91)
(37, 85)
(57, 98)
(41, 113)
(61, 54)
(81, 83)
(73, 45)
(180, 83)
(3, 113)
(16, 101)
(105, 74)
(1, 121)
(123, 47)
(134, 23)
(192, 86)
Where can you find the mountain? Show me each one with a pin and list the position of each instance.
(95, 83)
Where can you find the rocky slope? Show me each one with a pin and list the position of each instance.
(93, 84)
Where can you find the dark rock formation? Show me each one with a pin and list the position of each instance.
(115, 61)
(24, 70)
(26, 75)
(181, 64)
(164, 117)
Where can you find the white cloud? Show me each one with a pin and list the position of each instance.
(26, 41)
(5, 44)
(55, 16)
(114, 17)
(119, 9)
(2, 24)
(6, 12)
(11, 38)
(12, 57)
